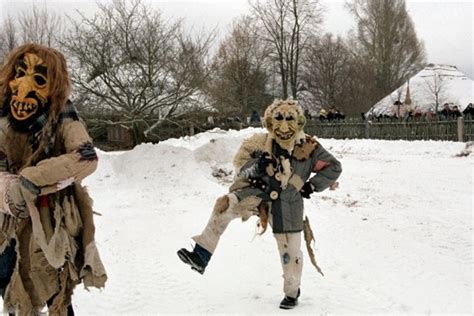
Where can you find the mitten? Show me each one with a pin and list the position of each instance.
(306, 190)
(264, 161)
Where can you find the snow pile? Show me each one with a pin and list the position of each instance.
(395, 238)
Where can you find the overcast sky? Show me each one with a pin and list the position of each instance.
(445, 26)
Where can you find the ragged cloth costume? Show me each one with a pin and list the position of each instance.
(275, 192)
(46, 215)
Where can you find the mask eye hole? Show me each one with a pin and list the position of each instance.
(290, 118)
(279, 117)
(40, 80)
(20, 73)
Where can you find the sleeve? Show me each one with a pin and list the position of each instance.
(55, 173)
(326, 167)
(6, 177)
(246, 158)
(3, 152)
(250, 169)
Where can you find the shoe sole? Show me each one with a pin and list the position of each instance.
(288, 307)
(188, 261)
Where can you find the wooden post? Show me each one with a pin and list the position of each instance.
(191, 129)
(367, 129)
(460, 129)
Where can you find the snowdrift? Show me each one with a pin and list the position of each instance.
(395, 238)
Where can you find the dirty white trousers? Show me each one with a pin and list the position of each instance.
(289, 244)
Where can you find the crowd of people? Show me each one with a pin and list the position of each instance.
(332, 114)
(400, 111)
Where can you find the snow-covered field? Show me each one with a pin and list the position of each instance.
(397, 237)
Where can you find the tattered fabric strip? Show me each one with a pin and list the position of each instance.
(309, 239)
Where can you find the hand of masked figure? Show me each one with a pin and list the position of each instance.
(264, 161)
(307, 190)
(15, 198)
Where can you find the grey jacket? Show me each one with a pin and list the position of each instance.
(309, 162)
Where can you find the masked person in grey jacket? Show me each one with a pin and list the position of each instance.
(275, 171)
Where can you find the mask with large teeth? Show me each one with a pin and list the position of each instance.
(284, 120)
(29, 90)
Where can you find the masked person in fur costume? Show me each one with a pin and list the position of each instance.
(47, 231)
(273, 176)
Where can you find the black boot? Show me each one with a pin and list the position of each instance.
(290, 302)
(197, 259)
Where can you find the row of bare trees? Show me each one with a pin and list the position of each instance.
(292, 56)
(36, 25)
(128, 60)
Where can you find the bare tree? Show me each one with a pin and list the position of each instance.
(136, 65)
(239, 82)
(435, 86)
(8, 36)
(38, 25)
(360, 92)
(386, 42)
(327, 71)
(287, 26)
(31, 25)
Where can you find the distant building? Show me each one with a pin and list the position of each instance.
(419, 92)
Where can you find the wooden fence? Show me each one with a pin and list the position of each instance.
(454, 130)
(109, 135)
(119, 137)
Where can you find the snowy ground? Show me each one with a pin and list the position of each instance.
(395, 238)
